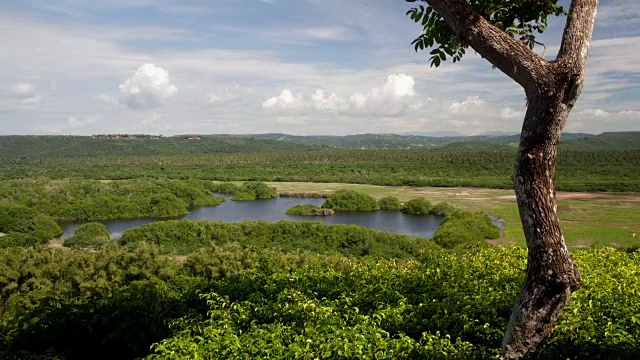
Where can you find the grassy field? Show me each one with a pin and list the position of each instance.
(601, 219)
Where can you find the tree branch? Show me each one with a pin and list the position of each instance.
(577, 33)
(509, 55)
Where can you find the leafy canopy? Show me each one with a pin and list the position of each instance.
(518, 18)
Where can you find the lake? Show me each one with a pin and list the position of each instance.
(274, 210)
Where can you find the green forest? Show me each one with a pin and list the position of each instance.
(178, 289)
(597, 167)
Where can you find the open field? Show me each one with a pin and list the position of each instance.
(603, 219)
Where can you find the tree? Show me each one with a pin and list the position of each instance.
(551, 88)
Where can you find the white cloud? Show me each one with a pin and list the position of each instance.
(25, 93)
(469, 104)
(391, 99)
(509, 113)
(286, 103)
(148, 88)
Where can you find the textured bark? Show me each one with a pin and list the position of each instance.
(552, 88)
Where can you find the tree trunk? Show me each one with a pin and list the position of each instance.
(551, 274)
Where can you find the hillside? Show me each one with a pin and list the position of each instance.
(574, 141)
(27, 148)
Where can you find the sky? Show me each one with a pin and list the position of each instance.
(303, 67)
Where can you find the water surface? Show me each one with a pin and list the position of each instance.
(274, 210)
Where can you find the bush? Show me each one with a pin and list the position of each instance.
(85, 241)
(21, 219)
(308, 210)
(18, 240)
(443, 209)
(418, 206)
(185, 236)
(261, 190)
(225, 188)
(167, 205)
(244, 195)
(350, 200)
(93, 229)
(389, 203)
(463, 227)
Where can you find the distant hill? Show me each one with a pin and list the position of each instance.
(574, 141)
(19, 148)
(16, 148)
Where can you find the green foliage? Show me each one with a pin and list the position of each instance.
(598, 169)
(184, 237)
(225, 188)
(390, 203)
(418, 206)
(18, 240)
(308, 210)
(252, 190)
(350, 200)
(89, 235)
(523, 19)
(261, 190)
(93, 229)
(24, 220)
(463, 228)
(267, 303)
(443, 209)
(100, 200)
(602, 320)
(244, 195)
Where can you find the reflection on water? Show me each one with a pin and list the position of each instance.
(273, 210)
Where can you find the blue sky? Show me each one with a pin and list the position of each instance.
(256, 66)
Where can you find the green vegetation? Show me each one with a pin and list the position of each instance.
(349, 200)
(595, 169)
(102, 200)
(390, 203)
(25, 226)
(93, 229)
(418, 206)
(184, 237)
(308, 210)
(250, 190)
(18, 240)
(225, 188)
(114, 303)
(296, 289)
(89, 235)
(464, 228)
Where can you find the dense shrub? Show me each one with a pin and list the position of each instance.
(18, 240)
(97, 200)
(93, 229)
(183, 237)
(463, 227)
(252, 190)
(261, 190)
(443, 209)
(225, 188)
(21, 219)
(350, 200)
(390, 203)
(266, 303)
(418, 206)
(308, 210)
(85, 241)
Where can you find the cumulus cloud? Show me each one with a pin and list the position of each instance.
(469, 104)
(25, 93)
(148, 88)
(390, 99)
